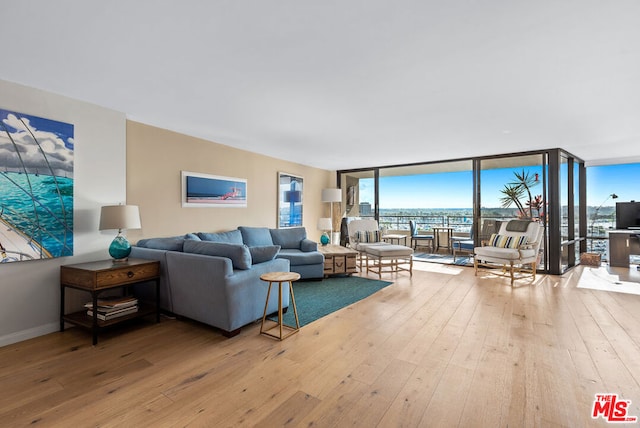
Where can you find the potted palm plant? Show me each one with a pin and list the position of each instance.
(520, 190)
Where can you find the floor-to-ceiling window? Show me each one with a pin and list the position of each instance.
(475, 195)
(607, 185)
(432, 195)
(511, 187)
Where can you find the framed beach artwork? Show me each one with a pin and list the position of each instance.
(204, 190)
(36, 187)
(290, 190)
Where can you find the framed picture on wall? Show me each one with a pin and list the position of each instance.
(36, 187)
(204, 190)
(290, 191)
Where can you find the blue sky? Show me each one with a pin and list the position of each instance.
(61, 129)
(453, 189)
(621, 179)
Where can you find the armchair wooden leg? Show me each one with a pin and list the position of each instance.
(475, 265)
(533, 269)
(511, 272)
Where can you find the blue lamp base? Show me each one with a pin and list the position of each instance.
(120, 248)
(324, 239)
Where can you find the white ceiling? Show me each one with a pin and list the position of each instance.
(347, 83)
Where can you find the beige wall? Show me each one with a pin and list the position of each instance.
(156, 157)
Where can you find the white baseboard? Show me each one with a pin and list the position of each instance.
(29, 333)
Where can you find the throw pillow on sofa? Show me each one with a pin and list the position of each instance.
(255, 236)
(230, 237)
(263, 253)
(168, 244)
(239, 254)
(289, 238)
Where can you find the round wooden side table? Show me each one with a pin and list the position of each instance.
(280, 278)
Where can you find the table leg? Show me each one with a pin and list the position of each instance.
(266, 304)
(94, 324)
(62, 308)
(158, 300)
(293, 301)
(280, 308)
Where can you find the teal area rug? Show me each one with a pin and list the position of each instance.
(316, 299)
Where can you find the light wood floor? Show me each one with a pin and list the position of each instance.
(441, 349)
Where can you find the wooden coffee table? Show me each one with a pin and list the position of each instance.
(338, 260)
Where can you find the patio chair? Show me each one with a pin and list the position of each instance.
(416, 237)
(515, 247)
(463, 244)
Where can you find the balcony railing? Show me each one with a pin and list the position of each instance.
(596, 234)
(426, 222)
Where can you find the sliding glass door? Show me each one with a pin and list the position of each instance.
(512, 187)
(473, 196)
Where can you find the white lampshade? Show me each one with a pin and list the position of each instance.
(324, 223)
(331, 195)
(119, 217)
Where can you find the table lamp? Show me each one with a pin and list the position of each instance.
(120, 217)
(324, 224)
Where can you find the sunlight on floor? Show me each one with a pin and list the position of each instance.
(438, 268)
(606, 278)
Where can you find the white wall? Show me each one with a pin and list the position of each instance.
(30, 291)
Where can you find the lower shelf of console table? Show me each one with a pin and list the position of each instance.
(81, 318)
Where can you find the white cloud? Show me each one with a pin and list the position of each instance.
(31, 157)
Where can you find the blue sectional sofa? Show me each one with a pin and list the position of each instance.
(302, 253)
(214, 278)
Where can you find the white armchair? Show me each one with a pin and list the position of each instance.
(364, 233)
(515, 246)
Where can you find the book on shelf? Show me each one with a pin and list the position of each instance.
(116, 302)
(105, 316)
(105, 310)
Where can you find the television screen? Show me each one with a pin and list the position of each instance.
(628, 215)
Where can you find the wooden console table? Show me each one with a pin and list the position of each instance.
(96, 277)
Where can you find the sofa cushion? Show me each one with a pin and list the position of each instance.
(297, 257)
(289, 238)
(230, 237)
(263, 253)
(192, 237)
(255, 236)
(238, 253)
(503, 253)
(174, 243)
